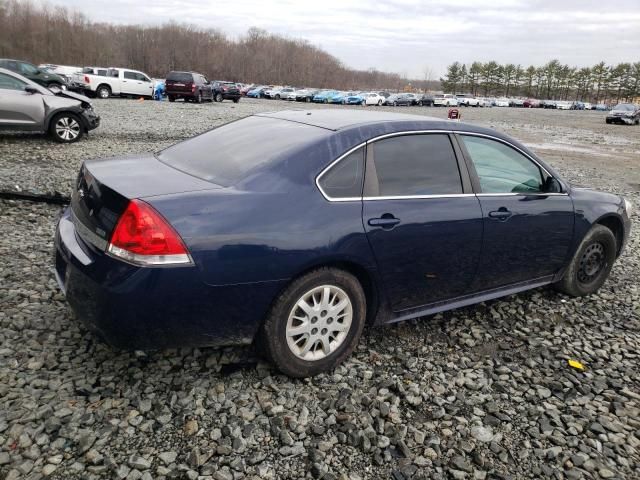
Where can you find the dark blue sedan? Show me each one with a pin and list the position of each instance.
(297, 228)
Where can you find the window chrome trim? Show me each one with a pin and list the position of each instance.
(328, 167)
(453, 195)
(419, 197)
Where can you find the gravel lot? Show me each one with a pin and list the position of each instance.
(481, 392)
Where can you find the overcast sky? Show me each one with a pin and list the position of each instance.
(411, 36)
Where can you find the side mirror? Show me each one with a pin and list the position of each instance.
(31, 90)
(551, 185)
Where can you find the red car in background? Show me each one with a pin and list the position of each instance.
(531, 103)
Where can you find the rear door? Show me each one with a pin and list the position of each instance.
(17, 107)
(422, 220)
(528, 220)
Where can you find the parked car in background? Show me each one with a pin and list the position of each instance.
(274, 93)
(323, 96)
(484, 102)
(502, 102)
(28, 70)
(181, 236)
(624, 113)
(516, 102)
(445, 100)
(225, 91)
(425, 100)
(257, 92)
(65, 71)
(77, 81)
(374, 98)
(414, 97)
(385, 94)
(191, 86)
(531, 103)
(398, 99)
(118, 81)
(467, 100)
(548, 104)
(357, 98)
(588, 106)
(339, 97)
(601, 107)
(306, 95)
(244, 90)
(564, 105)
(26, 105)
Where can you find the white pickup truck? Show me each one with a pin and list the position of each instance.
(117, 81)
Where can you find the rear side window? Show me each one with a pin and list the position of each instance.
(227, 154)
(344, 179)
(180, 77)
(412, 165)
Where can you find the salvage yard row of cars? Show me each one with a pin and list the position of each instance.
(39, 99)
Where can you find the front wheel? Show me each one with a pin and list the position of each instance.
(315, 324)
(66, 128)
(218, 97)
(591, 263)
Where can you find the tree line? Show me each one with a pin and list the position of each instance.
(41, 33)
(554, 81)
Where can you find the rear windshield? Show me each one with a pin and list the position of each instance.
(180, 77)
(227, 154)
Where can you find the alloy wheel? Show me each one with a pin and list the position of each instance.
(67, 128)
(319, 322)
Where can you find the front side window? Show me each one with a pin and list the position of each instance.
(28, 69)
(130, 75)
(7, 82)
(502, 169)
(412, 165)
(344, 179)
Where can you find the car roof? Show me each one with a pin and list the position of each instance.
(334, 119)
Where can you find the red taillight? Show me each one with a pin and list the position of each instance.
(143, 237)
(86, 79)
(193, 87)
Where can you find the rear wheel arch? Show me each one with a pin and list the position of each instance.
(364, 276)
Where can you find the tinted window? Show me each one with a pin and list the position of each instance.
(344, 179)
(228, 153)
(7, 82)
(179, 77)
(502, 169)
(414, 165)
(130, 75)
(28, 69)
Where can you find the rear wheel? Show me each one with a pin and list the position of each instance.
(103, 91)
(315, 324)
(66, 128)
(171, 98)
(236, 100)
(591, 263)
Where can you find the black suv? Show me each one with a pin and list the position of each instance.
(191, 86)
(225, 91)
(33, 73)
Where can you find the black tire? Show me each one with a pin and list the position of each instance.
(608, 121)
(236, 100)
(591, 264)
(73, 133)
(325, 101)
(171, 98)
(272, 335)
(219, 97)
(103, 91)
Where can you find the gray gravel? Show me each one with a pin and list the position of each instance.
(480, 392)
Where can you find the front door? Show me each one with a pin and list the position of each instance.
(528, 220)
(17, 107)
(424, 229)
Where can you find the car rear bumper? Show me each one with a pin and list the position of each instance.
(137, 308)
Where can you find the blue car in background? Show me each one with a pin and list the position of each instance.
(339, 97)
(310, 224)
(357, 98)
(323, 96)
(256, 92)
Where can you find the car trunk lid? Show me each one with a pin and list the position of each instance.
(104, 187)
